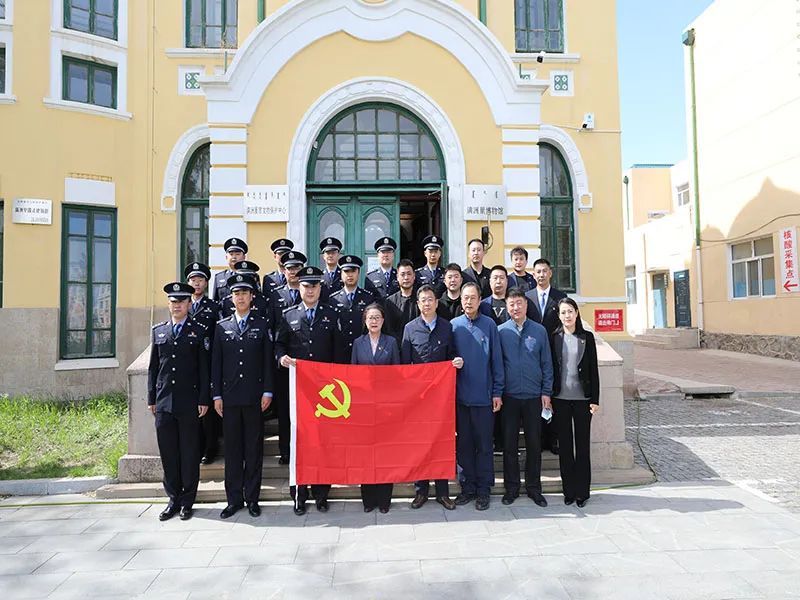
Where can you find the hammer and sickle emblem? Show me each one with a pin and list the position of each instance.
(341, 409)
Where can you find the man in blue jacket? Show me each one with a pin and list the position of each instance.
(528, 369)
(479, 390)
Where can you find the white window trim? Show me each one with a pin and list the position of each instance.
(85, 364)
(632, 278)
(681, 189)
(57, 25)
(565, 55)
(7, 41)
(200, 52)
(89, 109)
(752, 256)
(9, 20)
(549, 57)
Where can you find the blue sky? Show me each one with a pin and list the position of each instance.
(651, 78)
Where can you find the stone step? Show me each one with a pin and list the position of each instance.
(272, 470)
(278, 489)
(652, 343)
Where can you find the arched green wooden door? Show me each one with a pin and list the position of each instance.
(557, 220)
(194, 208)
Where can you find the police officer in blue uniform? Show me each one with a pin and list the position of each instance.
(432, 274)
(177, 394)
(330, 248)
(206, 312)
(284, 297)
(235, 250)
(350, 302)
(382, 282)
(261, 301)
(277, 278)
(241, 384)
(308, 331)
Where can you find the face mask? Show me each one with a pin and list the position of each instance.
(547, 414)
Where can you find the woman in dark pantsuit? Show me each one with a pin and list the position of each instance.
(375, 348)
(576, 397)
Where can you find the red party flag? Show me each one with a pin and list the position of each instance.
(356, 424)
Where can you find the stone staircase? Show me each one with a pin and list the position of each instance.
(669, 338)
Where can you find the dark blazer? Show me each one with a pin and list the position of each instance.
(319, 341)
(272, 280)
(375, 283)
(387, 352)
(524, 283)
(449, 309)
(421, 345)
(261, 305)
(399, 311)
(220, 288)
(550, 321)
(330, 283)
(206, 312)
(281, 299)
(351, 322)
(588, 371)
(482, 279)
(423, 276)
(177, 378)
(242, 363)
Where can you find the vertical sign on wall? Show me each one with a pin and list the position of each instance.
(787, 257)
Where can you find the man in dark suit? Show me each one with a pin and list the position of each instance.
(543, 309)
(308, 331)
(382, 282)
(330, 248)
(519, 277)
(241, 383)
(401, 307)
(277, 278)
(284, 297)
(350, 302)
(449, 306)
(206, 312)
(261, 302)
(476, 272)
(177, 394)
(235, 250)
(431, 274)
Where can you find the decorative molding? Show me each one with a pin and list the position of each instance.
(179, 157)
(218, 53)
(89, 109)
(85, 364)
(236, 94)
(549, 57)
(566, 145)
(383, 89)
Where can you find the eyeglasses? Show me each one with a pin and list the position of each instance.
(374, 318)
(426, 300)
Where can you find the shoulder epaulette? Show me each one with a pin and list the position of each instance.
(159, 324)
(223, 319)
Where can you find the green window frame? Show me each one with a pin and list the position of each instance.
(96, 17)
(2, 245)
(211, 23)
(2, 69)
(194, 207)
(89, 82)
(377, 143)
(88, 282)
(557, 217)
(539, 25)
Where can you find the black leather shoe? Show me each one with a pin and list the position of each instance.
(538, 498)
(463, 499)
(446, 502)
(554, 449)
(300, 509)
(509, 499)
(322, 506)
(208, 458)
(418, 501)
(568, 501)
(169, 512)
(369, 509)
(283, 460)
(482, 503)
(384, 509)
(581, 502)
(186, 513)
(230, 510)
(254, 509)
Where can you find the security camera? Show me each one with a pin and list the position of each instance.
(588, 121)
(540, 56)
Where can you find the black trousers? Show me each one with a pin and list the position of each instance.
(211, 426)
(423, 488)
(499, 437)
(529, 412)
(376, 495)
(281, 399)
(318, 492)
(549, 434)
(244, 452)
(573, 422)
(475, 425)
(178, 438)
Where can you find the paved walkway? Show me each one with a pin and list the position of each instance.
(675, 540)
(745, 372)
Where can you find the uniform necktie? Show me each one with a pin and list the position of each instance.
(543, 303)
(283, 279)
(386, 275)
(195, 305)
(294, 294)
(310, 315)
(242, 325)
(350, 297)
(176, 329)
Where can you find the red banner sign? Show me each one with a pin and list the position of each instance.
(608, 319)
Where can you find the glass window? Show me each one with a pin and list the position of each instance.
(376, 226)
(2, 9)
(683, 195)
(211, 23)
(538, 25)
(2, 70)
(88, 283)
(557, 217)
(369, 144)
(753, 268)
(98, 17)
(630, 283)
(89, 83)
(331, 224)
(194, 207)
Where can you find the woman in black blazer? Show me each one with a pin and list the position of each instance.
(375, 348)
(576, 397)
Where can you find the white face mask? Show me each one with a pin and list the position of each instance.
(547, 414)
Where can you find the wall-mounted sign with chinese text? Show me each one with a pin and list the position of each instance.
(32, 211)
(266, 203)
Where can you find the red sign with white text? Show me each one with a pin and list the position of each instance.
(608, 319)
(787, 257)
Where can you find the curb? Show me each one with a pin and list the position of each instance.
(755, 394)
(53, 486)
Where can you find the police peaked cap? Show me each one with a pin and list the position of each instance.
(330, 243)
(385, 243)
(241, 281)
(292, 258)
(234, 245)
(432, 241)
(350, 262)
(179, 290)
(310, 275)
(197, 269)
(245, 266)
(282, 245)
